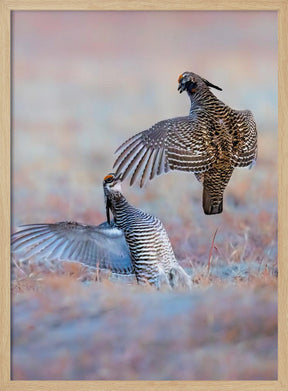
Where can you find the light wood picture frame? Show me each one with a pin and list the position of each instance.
(7, 6)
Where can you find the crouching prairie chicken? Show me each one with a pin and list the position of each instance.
(151, 251)
(134, 243)
(210, 142)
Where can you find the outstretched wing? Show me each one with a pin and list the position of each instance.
(180, 143)
(100, 246)
(244, 140)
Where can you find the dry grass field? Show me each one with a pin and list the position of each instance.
(80, 88)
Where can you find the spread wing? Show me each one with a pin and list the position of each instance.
(180, 143)
(245, 140)
(100, 246)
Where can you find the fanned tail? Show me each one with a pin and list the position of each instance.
(211, 205)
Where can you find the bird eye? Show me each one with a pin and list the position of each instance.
(109, 178)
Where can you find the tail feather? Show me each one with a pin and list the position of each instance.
(211, 205)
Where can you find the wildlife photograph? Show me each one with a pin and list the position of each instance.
(144, 195)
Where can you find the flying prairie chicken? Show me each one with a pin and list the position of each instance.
(210, 142)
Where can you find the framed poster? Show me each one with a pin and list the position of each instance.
(83, 80)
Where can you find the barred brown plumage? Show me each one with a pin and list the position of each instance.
(210, 142)
(151, 251)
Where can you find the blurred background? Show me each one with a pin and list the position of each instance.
(83, 82)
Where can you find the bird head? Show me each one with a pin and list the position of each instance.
(191, 83)
(112, 183)
(112, 189)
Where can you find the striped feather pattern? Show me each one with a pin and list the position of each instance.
(150, 247)
(213, 137)
(161, 148)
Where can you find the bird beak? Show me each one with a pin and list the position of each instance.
(182, 80)
(181, 87)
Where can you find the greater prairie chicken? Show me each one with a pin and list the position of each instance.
(134, 243)
(210, 142)
(102, 246)
(151, 251)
